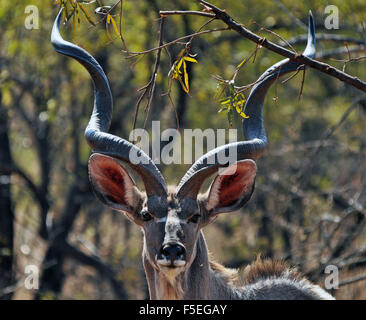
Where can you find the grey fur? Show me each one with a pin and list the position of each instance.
(201, 282)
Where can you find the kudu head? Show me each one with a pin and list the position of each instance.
(171, 222)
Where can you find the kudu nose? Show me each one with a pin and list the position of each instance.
(172, 254)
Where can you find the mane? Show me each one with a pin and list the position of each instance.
(230, 276)
(269, 269)
(261, 269)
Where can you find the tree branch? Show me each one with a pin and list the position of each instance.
(320, 66)
(352, 280)
(96, 263)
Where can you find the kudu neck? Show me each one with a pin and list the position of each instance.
(199, 281)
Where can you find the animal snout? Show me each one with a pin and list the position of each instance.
(172, 255)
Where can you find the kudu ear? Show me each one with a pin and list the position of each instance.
(112, 184)
(232, 188)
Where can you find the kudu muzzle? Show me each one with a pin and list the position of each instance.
(172, 252)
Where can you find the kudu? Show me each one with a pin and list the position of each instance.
(175, 255)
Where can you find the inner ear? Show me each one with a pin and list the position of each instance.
(112, 184)
(232, 188)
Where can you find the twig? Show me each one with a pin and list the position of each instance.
(242, 64)
(188, 44)
(276, 35)
(134, 54)
(302, 83)
(293, 75)
(108, 12)
(120, 26)
(293, 18)
(326, 136)
(345, 62)
(246, 87)
(175, 111)
(276, 82)
(178, 12)
(148, 90)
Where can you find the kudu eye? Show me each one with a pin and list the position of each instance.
(146, 216)
(194, 218)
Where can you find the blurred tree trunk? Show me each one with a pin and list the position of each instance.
(293, 216)
(286, 235)
(265, 231)
(6, 216)
(53, 275)
(182, 98)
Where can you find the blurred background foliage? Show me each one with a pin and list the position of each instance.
(308, 207)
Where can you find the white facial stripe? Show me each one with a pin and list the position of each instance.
(175, 220)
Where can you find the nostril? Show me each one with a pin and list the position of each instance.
(165, 252)
(180, 251)
(172, 252)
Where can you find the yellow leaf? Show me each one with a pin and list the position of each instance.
(241, 113)
(241, 63)
(240, 103)
(174, 74)
(180, 54)
(185, 76)
(179, 65)
(182, 84)
(226, 101)
(244, 115)
(190, 59)
(241, 95)
(115, 27)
